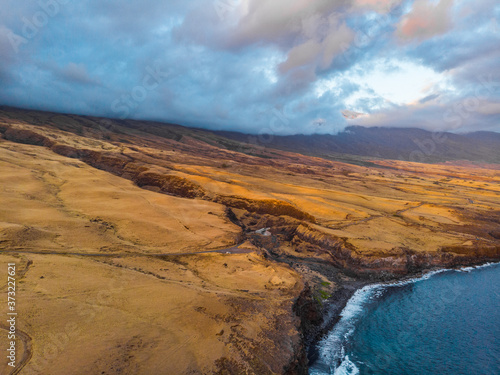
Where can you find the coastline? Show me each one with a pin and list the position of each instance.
(332, 315)
(333, 310)
(333, 259)
(348, 274)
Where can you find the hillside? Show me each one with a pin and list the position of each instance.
(138, 242)
(403, 144)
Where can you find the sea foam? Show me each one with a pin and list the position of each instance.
(332, 358)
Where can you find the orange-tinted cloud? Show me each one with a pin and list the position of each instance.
(425, 20)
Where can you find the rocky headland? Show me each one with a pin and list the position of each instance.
(236, 257)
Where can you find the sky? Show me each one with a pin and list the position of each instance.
(255, 66)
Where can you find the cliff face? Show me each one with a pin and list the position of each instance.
(313, 229)
(404, 261)
(271, 207)
(308, 241)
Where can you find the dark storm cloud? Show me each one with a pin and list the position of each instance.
(251, 65)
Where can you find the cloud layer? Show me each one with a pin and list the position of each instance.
(258, 66)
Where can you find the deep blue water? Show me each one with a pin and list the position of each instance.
(443, 323)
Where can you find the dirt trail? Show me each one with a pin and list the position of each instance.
(229, 250)
(27, 352)
(25, 337)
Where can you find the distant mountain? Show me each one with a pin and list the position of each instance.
(355, 145)
(409, 144)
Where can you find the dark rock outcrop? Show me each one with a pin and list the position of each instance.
(27, 137)
(265, 206)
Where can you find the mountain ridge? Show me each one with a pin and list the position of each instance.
(355, 144)
(406, 144)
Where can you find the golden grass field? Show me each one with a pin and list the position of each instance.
(111, 230)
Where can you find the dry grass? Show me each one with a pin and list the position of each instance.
(133, 313)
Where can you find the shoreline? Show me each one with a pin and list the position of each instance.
(334, 314)
(332, 310)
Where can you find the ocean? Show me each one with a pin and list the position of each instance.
(445, 322)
